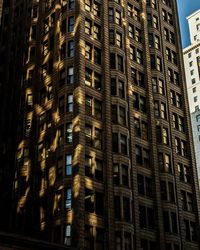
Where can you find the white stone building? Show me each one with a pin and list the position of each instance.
(192, 71)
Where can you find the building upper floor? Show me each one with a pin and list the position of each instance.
(194, 26)
(191, 56)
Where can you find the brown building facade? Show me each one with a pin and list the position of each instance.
(1, 4)
(18, 242)
(99, 129)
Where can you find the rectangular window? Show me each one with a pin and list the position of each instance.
(126, 209)
(125, 175)
(117, 17)
(35, 11)
(71, 24)
(88, 27)
(120, 63)
(121, 89)
(46, 26)
(70, 75)
(60, 135)
(130, 9)
(99, 203)
(58, 202)
(62, 77)
(139, 56)
(165, 136)
(151, 40)
(131, 30)
(69, 133)
(88, 105)
(127, 241)
(96, 9)
(63, 27)
(88, 135)
(97, 81)
(138, 35)
(155, 22)
(100, 238)
(119, 40)
(88, 77)
(112, 37)
(70, 103)
(67, 235)
(88, 166)
(99, 170)
(114, 114)
(159, 64)
(112, 61)
(123, 144)
(68, 198)
(68, 164)
(98, 138)
(153, 62)
(149, 19)
(88, 5)
(111, 15)
(163, 111)
(88, 51)
(71, 4)
(97, 56)
(70, 51)
(184, 173)
(115, 146)
(97, 32)
(122, 116)
(97, 109)
(146, 216)
(45, 48)
(29, 100)
(89, 200)
(62, 51)
(61, 105)
(190, 231)
(117, 206)
(113, 86)
(116, 174)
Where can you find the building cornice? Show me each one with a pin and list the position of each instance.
(190, 48)
(193, 14)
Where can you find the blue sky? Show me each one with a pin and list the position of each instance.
(185, 8)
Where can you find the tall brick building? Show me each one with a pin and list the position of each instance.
(95, 125)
